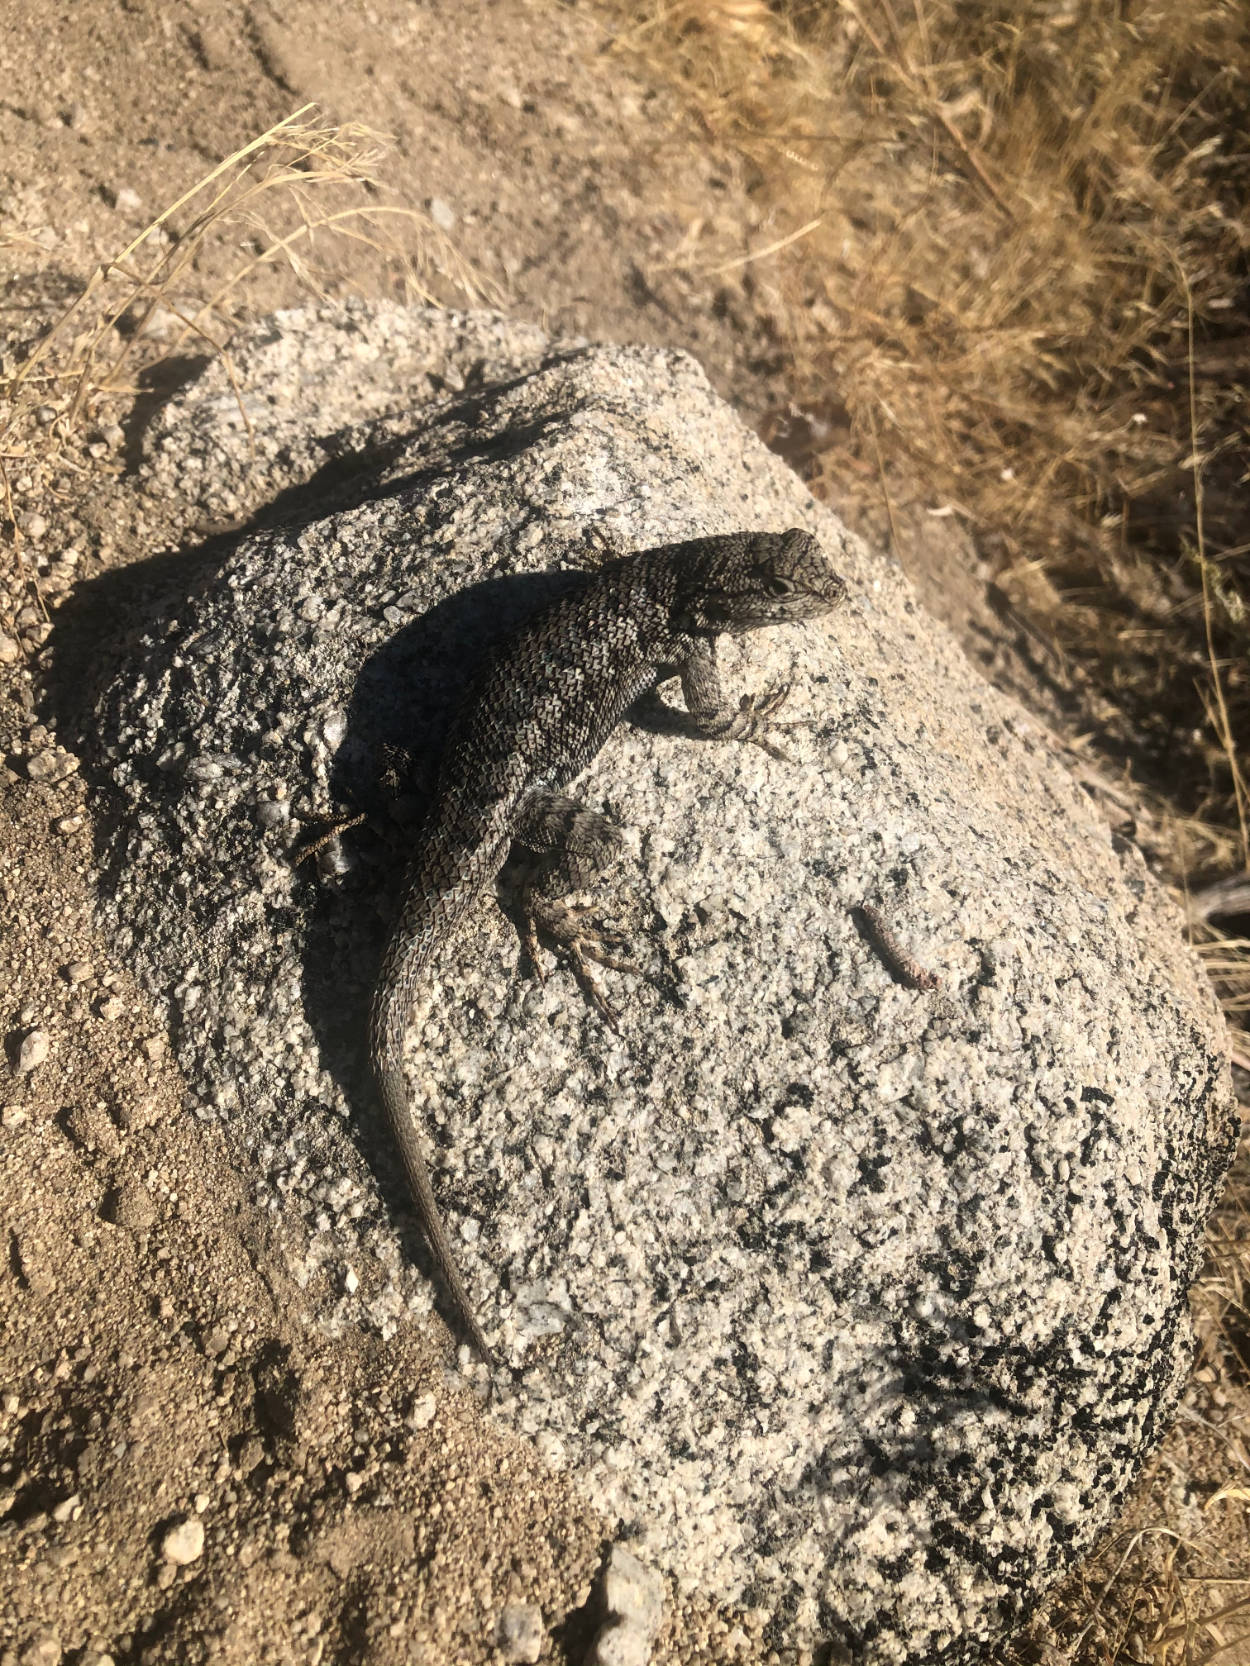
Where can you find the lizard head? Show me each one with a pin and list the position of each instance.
(747, 580)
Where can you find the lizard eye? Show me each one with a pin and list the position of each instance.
(775, 585)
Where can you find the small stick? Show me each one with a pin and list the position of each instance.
(327, 838)
(895, 956)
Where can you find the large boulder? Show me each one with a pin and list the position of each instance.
(854, 1300)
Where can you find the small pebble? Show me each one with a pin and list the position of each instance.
(251, 1453)
(423, 1412)
(631, 1590)
(215, 46)
(12, 1116)
(633, 1596)
(160, 325)
(271, 814)
(126, 201)
(34, 1051)
(44, 1649)
(91, 1127)
(10, 652)
(184, 1543)
(442, 214)
(78, 971)
(36, 525)
(133, 1207)
(619, 1644)
(54, 764)
(139, 1113)
(519, 1632)
(69, 824)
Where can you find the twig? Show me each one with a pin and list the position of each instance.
(1230, 895)
(895, 956)
(772, 248)
(329, 838)
(1224, 727)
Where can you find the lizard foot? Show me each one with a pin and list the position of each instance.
(583, 942)
(754, 721)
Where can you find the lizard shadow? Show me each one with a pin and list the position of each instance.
(100, 627)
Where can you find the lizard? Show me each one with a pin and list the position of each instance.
(547, 700)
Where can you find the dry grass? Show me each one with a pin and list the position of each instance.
(1171, 1587)
(1006, 246)
(293, 197)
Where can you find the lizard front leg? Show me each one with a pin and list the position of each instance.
(711, 717)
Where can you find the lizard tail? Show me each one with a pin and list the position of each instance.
(430, 913)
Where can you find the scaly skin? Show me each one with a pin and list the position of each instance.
(548, 700)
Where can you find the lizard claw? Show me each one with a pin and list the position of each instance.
(582, 948)
(771, 747)
(586, 946)
(768, 702)
(753, 720)
(598, 999)
(583, 944)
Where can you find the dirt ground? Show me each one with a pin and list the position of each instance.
(157, 1376)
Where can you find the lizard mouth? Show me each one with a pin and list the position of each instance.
(797, 609)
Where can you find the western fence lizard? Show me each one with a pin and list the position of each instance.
(549, 698)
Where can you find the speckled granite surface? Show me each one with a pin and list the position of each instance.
(851, 1301)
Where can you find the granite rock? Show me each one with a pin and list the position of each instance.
(852, 1301)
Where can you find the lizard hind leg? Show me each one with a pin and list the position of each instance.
(574, 846)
